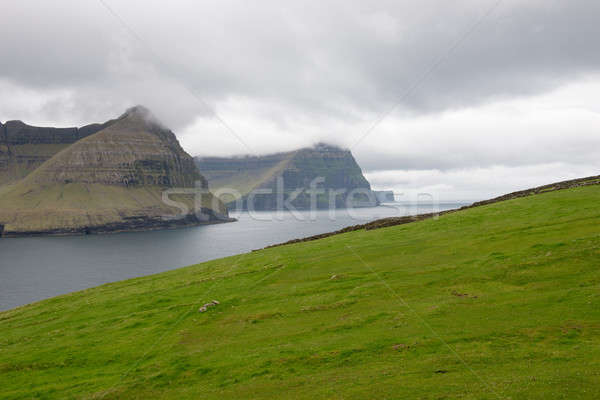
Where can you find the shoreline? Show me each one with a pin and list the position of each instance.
(140, 225)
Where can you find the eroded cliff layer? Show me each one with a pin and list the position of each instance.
(23, 148)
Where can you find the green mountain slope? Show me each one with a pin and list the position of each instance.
(111, 180)
(500, 301)
(296, 169)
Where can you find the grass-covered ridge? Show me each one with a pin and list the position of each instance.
(499, 301)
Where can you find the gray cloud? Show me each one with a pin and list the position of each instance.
(320, 59)
(290, 73)
(473, 184)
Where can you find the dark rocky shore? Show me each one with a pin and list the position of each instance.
(129, 224)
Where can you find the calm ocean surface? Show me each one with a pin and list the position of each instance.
(36, 268)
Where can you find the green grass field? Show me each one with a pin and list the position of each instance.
(495, 302)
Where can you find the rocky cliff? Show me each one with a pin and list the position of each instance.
(289, 175)
(23, 147)
(112, 179)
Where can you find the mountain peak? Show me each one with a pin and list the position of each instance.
(322, 146)
(140, 113)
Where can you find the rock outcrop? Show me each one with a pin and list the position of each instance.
(113, 179)
(206, 306)
(265, 182)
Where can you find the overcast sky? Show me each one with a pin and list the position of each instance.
(461, 99)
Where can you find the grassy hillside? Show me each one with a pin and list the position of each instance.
(496, 302)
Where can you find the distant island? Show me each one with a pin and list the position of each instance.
(99, 178)
(265, 182)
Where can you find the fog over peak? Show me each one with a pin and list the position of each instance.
(472, 80)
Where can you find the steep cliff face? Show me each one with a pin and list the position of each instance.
(336, 166)
(23, 147)
(289, 175)
(111, 180)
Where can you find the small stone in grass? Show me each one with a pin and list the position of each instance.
(205, 307)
